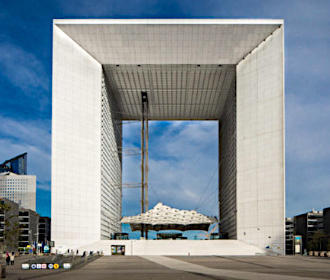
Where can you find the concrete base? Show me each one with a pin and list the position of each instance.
(176, 247)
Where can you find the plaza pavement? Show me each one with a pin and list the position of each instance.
(211, 267)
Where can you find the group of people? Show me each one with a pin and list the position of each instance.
(10, 258)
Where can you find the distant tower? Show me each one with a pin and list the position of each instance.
(15, 184)
(17, 165)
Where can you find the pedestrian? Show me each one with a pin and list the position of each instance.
(12, 258)
(7, 258)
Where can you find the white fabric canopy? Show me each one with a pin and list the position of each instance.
(163, 217)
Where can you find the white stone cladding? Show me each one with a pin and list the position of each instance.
(19, 188)
(260, 145)
(228, 167)
(111, 165)
(76, 146)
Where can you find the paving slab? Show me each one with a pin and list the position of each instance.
(298, 266)
(121, 268)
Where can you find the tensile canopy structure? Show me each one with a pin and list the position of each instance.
(163, 217)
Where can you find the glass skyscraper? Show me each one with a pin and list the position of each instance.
(17, 165)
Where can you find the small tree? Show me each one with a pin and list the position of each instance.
(11, 228)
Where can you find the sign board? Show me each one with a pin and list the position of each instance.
(46, 249)
(297, 239)
(297, 244)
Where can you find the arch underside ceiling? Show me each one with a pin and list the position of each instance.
(175, 92)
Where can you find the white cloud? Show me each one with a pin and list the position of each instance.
(25, 71)
(22, 68)
(32, 137)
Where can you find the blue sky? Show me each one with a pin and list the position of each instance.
(182, 153)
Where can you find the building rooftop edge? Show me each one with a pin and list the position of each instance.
(8, 173)
(170, 21)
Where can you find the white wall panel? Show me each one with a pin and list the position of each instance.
(76, 133)
(176, 247)
(260, 145)
(111, 164)
(227, 167)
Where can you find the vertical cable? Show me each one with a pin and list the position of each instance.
(147, 163)
(142, 166)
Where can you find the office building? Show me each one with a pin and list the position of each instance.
(15, 184)
(307, 224)
(19, 188)
(225, 70)
(18, 226)
(16, 165)
(289, 232)
(326, 220)
(28, 225)
(44, 230)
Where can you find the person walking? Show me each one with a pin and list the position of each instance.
(7, 258)
(12, 258)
